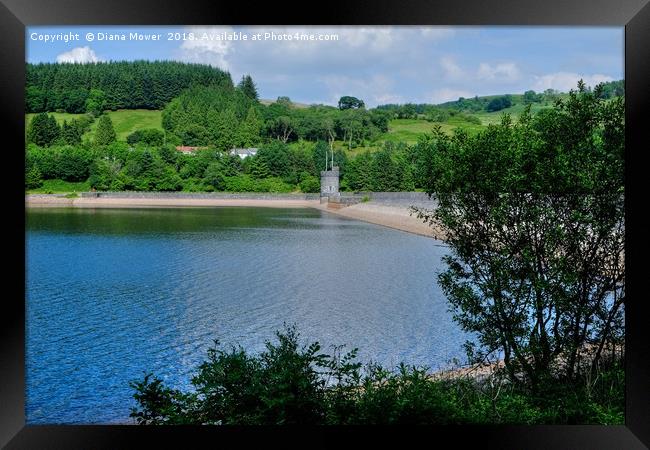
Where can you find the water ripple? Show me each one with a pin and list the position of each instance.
(112, 294)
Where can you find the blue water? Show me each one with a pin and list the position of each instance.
(114, 293)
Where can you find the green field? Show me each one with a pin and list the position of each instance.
(409, 130)
(61, 187)
(125, 121)
(488, 118)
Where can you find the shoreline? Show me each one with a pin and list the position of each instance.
(395, 216)
(43, 201)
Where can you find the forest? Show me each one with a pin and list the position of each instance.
(112, 85)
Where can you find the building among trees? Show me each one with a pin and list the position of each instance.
(188, 150)
(243, 152)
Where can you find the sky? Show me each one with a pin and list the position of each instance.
(387, 64)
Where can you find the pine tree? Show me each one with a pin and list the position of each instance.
(249, 130)
(105, 134)
(33, 178)
(259, 168)
(384, 172)
(43, 130)
(247, 86)
(71, 133)
(224, 130)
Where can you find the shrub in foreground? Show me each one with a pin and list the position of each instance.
(289, 383)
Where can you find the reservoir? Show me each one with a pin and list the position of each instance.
(114, 293)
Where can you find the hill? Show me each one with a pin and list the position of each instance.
(125, 121)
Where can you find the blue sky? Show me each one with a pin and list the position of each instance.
(396, 64)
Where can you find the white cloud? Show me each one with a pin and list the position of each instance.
(383, 99)
(210, 49)
(447, 94)
(437, 33)
(357, 48)
(373, 38)
(502, 72)
(78, 55)
(452, 71)
(565, 81)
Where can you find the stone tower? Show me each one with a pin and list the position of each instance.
(329, 182)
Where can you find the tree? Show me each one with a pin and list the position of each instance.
(532, 97)
(249, 129)
(550, 95)
(275, 156)
(43, 130)
(533, 214)
(75, 101)
(282, 128)
(284, 101)
(247, 86)
(348, 102)
(104, 175)
(96, 102)
(225, 131)
(259, 169)
(73, 163)
(104, 134)
(214, 176)
(499, 103)
(310, 183)
(321, 158)
(33, 178)
(35, 99)
(385, 176)
(351, 124)
(359, 175)
(611, 89)
(71, 133)
(194, 135)
(148, 136)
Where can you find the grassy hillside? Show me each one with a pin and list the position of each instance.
(409, 130)
(125, 121)
(61, 187)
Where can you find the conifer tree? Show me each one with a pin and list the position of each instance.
(33, 178)
(105, 133)
(247, 86)
(249, 130)
(259, 168)
(43, 130)
(70, 133)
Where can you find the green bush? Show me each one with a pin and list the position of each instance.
(240, 183)
(148, 136)
(272, 184)
(310, 184)
(33, 178)
(193, 185)
(499, 103)
(469, 118)
(290, 383)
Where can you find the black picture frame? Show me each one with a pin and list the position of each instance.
(15, 15)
